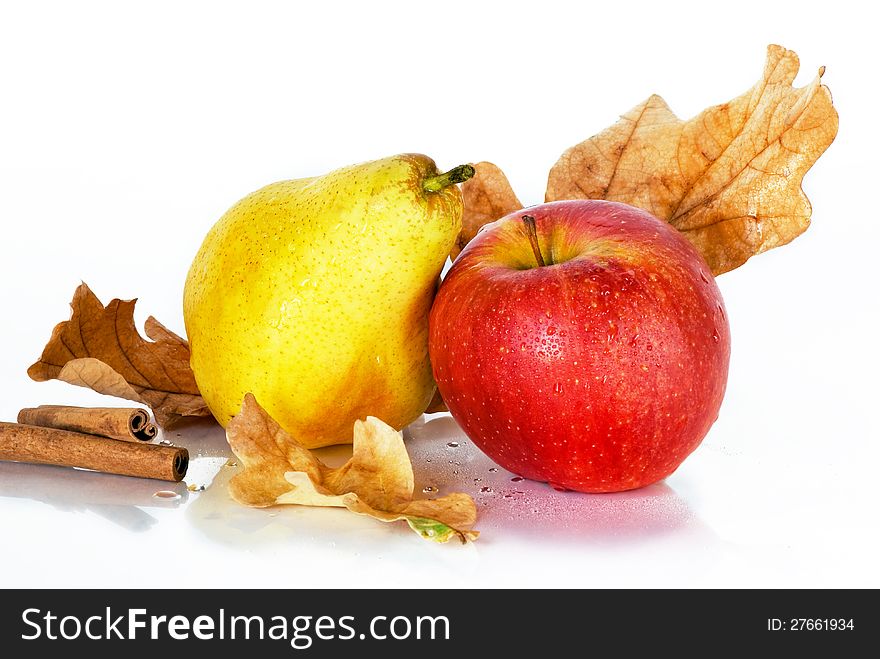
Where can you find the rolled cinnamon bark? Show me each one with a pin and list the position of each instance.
(25, 443)
(125, 423)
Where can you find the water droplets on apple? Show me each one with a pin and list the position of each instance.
(612, 331)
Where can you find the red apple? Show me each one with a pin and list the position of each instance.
(600, 369)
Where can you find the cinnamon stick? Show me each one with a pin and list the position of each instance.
(26, 443)
(125, 423)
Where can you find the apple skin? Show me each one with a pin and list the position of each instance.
(599, 373)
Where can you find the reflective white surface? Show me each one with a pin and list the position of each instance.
(125, 136)
(724, 519)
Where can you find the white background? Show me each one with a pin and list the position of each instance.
(126, 130)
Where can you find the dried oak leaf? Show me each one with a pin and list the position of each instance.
(729, 179)
(437, 404)
(487, 197)
(377, 481)
(101, 349)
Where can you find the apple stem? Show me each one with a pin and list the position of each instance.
(455, 175)
(532, 234)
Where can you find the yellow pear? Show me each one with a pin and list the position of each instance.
(313, 294)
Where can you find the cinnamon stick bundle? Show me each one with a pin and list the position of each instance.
(125, 423)
(26, 443)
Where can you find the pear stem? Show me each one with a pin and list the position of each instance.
(455, 175)
(532, 235)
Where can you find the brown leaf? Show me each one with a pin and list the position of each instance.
(487, 197)
(100, 348)
(377, 481)
(437, 404)
(730, 178)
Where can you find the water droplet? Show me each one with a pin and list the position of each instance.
(558, 488)
(477, 479)
(508, 496)
(273, 514)
(485, 488)
(721, 311)
(715, 336)
(193, 487)
(644, 367)
(165, 442)
(427, 459)
(551, 330)
(649, 347)
(704, 277)
(166, 494)
(452, 444)
(557, 388)
(516, 479)
(493, 469)
(612, 331)
(428, 489)
(231, 463)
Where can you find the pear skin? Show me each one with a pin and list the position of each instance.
(313, 294)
